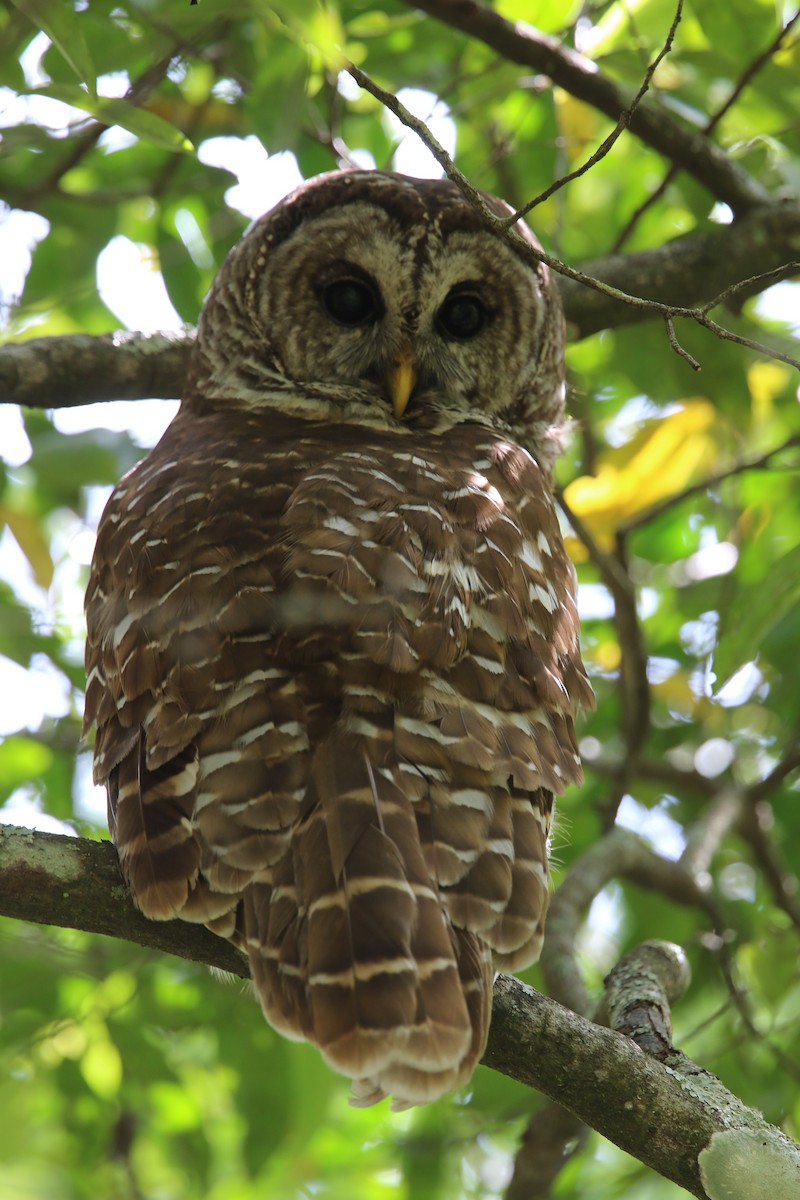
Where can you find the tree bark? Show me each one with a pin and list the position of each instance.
(673, 1116)
(61, 372)
(517, 42)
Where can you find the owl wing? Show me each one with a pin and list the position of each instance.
(420, 858)
(201, 735)
(338, 685)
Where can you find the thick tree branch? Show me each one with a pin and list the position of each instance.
(746, 77)
(687, 271)
(60, 372)
(635, 1002)
(639, 992)
(669, 1116)
(522, 44)
(504, 226)
(76, 883)
(621, 854)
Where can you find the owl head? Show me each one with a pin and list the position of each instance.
(374, 298)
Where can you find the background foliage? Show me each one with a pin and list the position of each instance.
(126, 1075)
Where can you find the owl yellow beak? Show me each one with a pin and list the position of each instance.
(401, 379)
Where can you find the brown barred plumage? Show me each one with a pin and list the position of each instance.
(332, 652)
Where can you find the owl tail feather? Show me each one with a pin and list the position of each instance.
(149, 814)
(416, 1085)
(367, 965)
(149, 818)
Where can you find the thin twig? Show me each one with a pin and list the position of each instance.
(750, 72)
(634, 685)
(755, 824)
(740, 998)
(623, 123)
(693, 270)
(777, 273)
(727, 335)
(418, 126)
(678, 348)
(747, 75)
(534, 254)
(608, 566)
(517, 42)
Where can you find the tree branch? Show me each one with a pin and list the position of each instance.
(749, 73)
(686, 271)
(623, 122)
(668, 1116)
(639, 992)
(60, 372)
(672, 1115)
(620, 854)
(75, 883)
(520, 43)
(755, 825)
(553, 1136)
(504, 227)
(635, 1002)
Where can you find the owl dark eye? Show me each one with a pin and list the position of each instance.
(462, 316)
(350, 302)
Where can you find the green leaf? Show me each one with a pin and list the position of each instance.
(64, 464)
(212, 1101)
(58, 19)
(758, 610)
(146, 125)
(183, 281)
(21, 759)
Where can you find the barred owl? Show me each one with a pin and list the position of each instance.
(332, 645)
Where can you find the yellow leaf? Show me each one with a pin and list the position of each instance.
(181, 114)
(31, 541)
(766, 380)
(676, 693)
(660, 461)
(577, 123)
(576, 549)
(607, 656)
